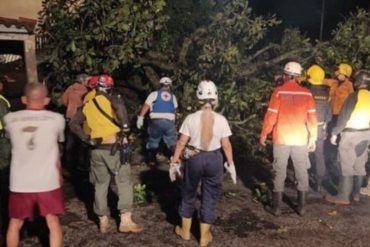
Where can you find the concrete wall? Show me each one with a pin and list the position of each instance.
(20, 8)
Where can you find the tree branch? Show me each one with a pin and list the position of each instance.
(152, 76)
(241, 122)
(157, 63)
(274, 61)
(263, 50)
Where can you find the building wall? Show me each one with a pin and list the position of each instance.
(20, 8)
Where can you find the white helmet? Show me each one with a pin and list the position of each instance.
(293, 68)
(165, 81)
(207, 90)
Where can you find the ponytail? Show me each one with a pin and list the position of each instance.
(207, 121)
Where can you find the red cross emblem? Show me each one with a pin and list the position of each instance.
(165, 96)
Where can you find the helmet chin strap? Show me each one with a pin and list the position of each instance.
(106, 90)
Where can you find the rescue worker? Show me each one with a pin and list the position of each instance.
(207, 132)
(107, 118)
(353, 126)
(91, 84)
(162, 105)
(72, 99)
(73, 96)
(4, 161)
(291, 116)
(320, 93)
(340, 88)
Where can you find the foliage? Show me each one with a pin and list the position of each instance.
(262, 193)
(218, 38)
(140, 194)
(350, 44)
(138, 41)
(98, 35)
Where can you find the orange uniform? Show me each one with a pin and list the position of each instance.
(291, 115)
(338, 93)
(72, 98)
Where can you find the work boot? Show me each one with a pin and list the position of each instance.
(127, 225)
(277, 198)
(152, 158)
(357, 184)
(344, 192)
(103, 224)
(184, 230)
(301, 202)
(205, 234)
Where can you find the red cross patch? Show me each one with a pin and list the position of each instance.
(165, 96)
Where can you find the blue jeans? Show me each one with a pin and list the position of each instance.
(158, 129)
(207, 168)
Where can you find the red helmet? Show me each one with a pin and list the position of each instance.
(93, 81)
(105, 81)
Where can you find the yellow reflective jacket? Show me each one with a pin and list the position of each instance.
(100, 126)
(90, 95)
(360, 117)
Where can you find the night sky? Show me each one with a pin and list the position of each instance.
(305, 14)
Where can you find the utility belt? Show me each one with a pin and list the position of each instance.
(190, 152)
(122, 146)
(355, 130)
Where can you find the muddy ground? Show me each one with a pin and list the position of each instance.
(242, 220)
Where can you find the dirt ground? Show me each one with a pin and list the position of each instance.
(242, 220)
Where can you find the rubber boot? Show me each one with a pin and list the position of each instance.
(103, 224)
(357, 184)
(205, 234)
(277, 198)
(152, 159)
(344, 192)
(127, 225)
(301, 202)
(184, 230)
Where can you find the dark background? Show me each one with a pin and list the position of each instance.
(306, 14)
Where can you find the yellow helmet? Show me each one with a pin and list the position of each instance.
(315, 75)
(345, 69)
